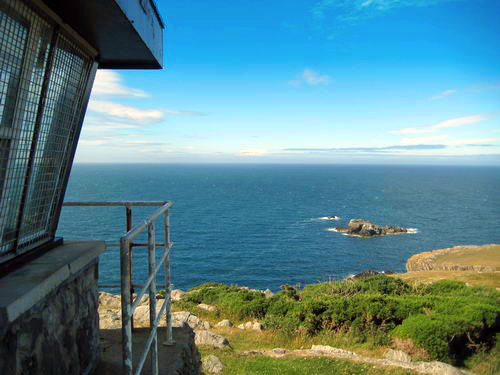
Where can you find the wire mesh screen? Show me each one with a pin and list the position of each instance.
(42, 82)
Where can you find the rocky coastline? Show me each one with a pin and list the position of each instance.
(459, 258)
(367, 229)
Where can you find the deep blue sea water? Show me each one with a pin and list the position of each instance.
(257, 225)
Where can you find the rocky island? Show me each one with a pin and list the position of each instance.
(364, 228)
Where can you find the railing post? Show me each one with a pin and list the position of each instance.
(166, 265)
(126, 317)
(128, 214)
(126, 282)
(152, 297)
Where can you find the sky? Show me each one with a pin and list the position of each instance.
(308, 81)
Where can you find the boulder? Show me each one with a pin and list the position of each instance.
(204, 337)
(280, 351)
(224, 323)
(185, 317)
(110, 318)
(397, 355)
(268, 293)
(256, 326)
(438, 368)
(177, 294)
(341, 353)
(212, 364)
(141, 315)
(206, 307)
(109, 300)
(144, 300)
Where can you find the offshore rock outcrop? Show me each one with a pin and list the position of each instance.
(365, 228)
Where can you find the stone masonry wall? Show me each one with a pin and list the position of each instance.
(59, 334)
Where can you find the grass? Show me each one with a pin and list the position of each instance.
(242, 340)
(446, 320)
(491, 279)
(486, 255)
(486, 363)
(252, 365)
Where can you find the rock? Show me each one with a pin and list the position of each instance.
(205, 337)
(364, 228)
(427, 368)
(141, 314)
(429, 260)
(280, 351)
(224, 323)
(185, 317)
(256, 326)
(112, 301)
(177, 294)
(110, 318)
(268, 293)
(331, 350)
(365, 273)
(144, 300)
(212, 364)
(397, 355)
(206, 307)
(438, 368)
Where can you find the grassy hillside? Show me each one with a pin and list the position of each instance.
(447, 320)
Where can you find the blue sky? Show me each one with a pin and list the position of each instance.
(324, 81)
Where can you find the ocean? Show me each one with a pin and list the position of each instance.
(260, 226)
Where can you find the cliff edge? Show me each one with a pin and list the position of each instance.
(479, 258)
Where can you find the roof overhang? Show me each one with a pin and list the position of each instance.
(128, 34)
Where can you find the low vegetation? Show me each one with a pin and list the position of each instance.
(260, 365)
(491, 279)
(447, 320)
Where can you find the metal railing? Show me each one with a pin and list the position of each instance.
(127, 288)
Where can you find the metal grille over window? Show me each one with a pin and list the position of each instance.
(43, 76)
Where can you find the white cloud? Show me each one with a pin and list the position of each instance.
(352, 11)
(442, 140)
(119, 141)
(94, 142)
(253, 152)
(443, 94)
(460, 121)
(366, 3)
(423, 140)
(138, 142)
(188, 113)
(123, 111)
(311, 78)
(108, 82)
(472, 141)
(101, 123)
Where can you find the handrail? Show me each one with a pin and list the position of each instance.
(117, 203)
(126, 286)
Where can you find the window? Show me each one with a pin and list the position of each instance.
(43, 75)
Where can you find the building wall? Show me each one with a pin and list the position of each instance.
(59, 334)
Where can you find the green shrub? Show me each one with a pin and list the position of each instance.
(447, 319)
(434, 334)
